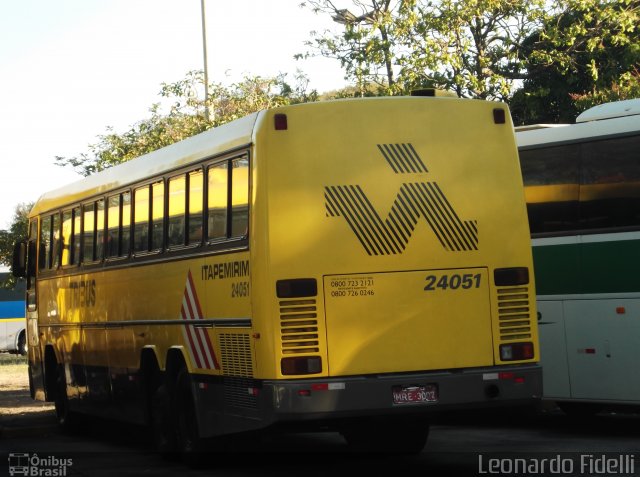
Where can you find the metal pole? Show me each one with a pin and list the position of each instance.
(206, 69)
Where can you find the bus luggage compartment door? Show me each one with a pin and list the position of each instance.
(408, 321)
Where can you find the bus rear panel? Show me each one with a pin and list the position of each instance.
(394, 273)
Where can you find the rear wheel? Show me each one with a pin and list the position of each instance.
(189, 442)
(163, 427)
(22, 344)
(66, 419)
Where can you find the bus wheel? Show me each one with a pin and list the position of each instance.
(22, 344)
(404, 437)
(64, 415)
(162, 425)
(189, 441)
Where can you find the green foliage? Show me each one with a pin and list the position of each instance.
(585, 54)
(627, 87)
(548, 58)
(18, 231)
(367, 45)
(468, 46)
(180, 114)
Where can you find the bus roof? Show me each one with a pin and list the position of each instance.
(229, 136)
(532, 136)
(616, 109)
(232, 135)
(531, 127)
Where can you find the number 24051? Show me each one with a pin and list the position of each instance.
(452, 282)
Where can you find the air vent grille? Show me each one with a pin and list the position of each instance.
(235, 353)
(514, 313)
(299, 326)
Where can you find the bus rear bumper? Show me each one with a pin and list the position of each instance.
(334, 398)
(227, 407)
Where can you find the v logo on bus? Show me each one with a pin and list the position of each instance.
(415, 201)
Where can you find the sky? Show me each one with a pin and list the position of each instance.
(71, 68)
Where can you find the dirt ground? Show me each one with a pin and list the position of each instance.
(14, 390)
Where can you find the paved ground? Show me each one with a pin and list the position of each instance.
(458, 445)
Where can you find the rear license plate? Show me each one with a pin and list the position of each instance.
(415, 394)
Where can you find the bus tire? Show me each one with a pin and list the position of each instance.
(403, 437)
(162, 425)
(22, 349)
(190, 444)
(66, 419)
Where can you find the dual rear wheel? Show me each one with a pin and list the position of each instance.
(175, 422)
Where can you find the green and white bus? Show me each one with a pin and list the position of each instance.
(582, 186)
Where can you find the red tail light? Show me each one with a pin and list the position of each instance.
(301, 365)
(516, 351)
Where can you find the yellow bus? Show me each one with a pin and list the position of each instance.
(357, 265)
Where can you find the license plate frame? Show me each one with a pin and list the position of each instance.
(414, 394)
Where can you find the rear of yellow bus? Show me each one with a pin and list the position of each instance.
(392, 267)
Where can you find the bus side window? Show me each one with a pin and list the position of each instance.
(551, 179)
(113, 226)
(141, 219)
(609, 167)
(177, 206)
(99, 229)
(44, 250)
(218, 180)
(157, 215)
(76, 240)
(195, 207)
(56, 242)
(125, 230)
(239, 197)
(88, 233)
(67, 228)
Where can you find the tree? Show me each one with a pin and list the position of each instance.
(366, 48)
(180, 114)
(586, 54)
(18, 231)
(468, 46)
(549, 58)
(626, 87)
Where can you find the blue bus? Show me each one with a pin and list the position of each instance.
(13, 336)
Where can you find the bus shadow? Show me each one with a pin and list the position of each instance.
(623, 422)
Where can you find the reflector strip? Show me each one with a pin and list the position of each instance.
(253, 391)
(489, 376)
(197, 339)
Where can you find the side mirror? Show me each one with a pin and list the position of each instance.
(19, 265)
(31, 258)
